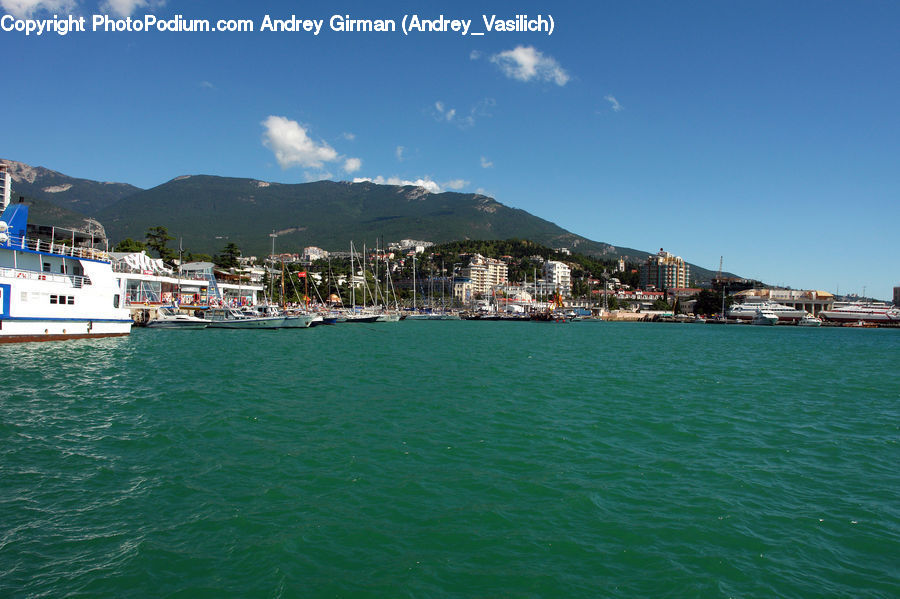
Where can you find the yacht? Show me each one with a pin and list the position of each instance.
(809, 321)
(229, 318)
(55, 286)
(764, 317)
(168, 317)
(748, 310)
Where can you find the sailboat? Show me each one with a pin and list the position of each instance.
(357, 315)
(415, 314)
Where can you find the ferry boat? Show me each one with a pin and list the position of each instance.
(748, 310)
(55, 286)
(866, 312)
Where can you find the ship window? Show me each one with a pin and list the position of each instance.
(53, 299)
(62, 268)
(116, 301)
(46, 267)
(71, 300)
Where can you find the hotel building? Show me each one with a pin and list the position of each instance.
(665, 271)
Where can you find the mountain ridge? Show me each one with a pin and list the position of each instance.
(209, 211)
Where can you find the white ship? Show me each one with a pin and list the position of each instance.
(874, 312)
(748, 310)
(764, 317)
(55, 286)
(809, 321)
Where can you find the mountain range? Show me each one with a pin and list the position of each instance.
(207, 212)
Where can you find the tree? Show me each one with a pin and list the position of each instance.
(130, 245)
(190, 257)
(579, 288)
(661, 304)
(229, 256)
(157, 240)
(708, 302)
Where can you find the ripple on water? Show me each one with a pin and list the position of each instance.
(453, 458)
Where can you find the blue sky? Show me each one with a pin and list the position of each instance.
(765, 132)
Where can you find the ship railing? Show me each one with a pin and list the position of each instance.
(59, 249)
(76, 281)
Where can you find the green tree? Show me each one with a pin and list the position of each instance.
(228, 258)
(191, 257)
(710, 302)
(130, 245)
(661, 304)
(579, 288)
(158, 239)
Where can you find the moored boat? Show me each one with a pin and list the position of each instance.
(748, 310)
(867, 312)
(764, 318)
(55, 287)
(229, 318)
(809, 321)
(168, 317)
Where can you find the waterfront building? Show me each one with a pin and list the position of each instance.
(5, 186)
(485, 274)
(812, 301)
(664, 270)
(147, 280)
(559, 276)
(219, 286)
(463, 290)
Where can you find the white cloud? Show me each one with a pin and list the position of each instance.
(24, 9)
(444, 114)
(525, 64)
(292, 146)
(482, 108)
(485, 163)
(351, 165)
(348, 136)
(456, 184)
(207, 85)
(427, 184)
(614, 104)
(399, 152)
(474, 55)
(126, 8)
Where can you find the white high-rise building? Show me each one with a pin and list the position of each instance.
(485, 273)
(558, 275)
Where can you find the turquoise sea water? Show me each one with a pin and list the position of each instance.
(453, 459)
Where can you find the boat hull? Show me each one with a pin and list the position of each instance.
(15, 331)
(158, 324)
(297, 322)
(360, 319)
(248, 323)
(851, 317)
(56, 337)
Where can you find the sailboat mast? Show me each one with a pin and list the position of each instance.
(352, 276)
